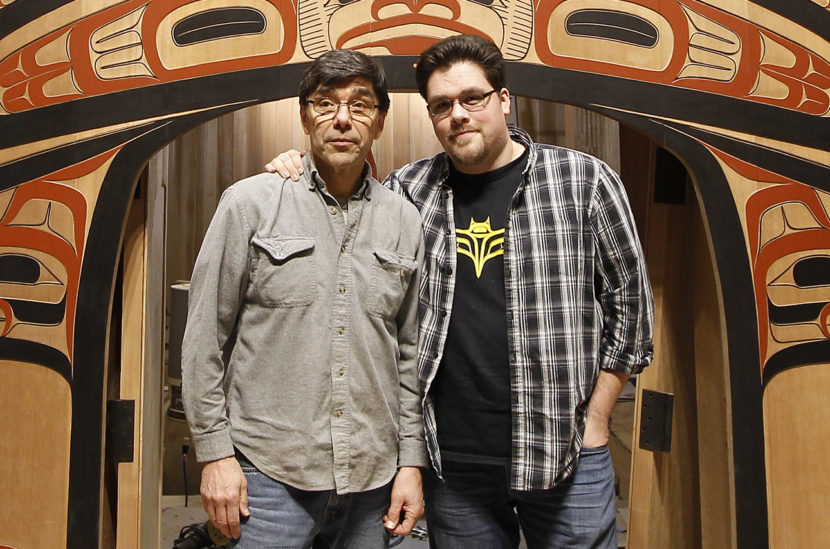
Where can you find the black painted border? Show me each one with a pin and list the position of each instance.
(260, 85)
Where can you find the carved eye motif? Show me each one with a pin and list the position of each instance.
(219, 23)
(612, 25)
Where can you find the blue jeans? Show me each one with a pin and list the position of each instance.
(285, 517)
(475, 507)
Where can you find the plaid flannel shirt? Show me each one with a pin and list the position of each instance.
(577, 294)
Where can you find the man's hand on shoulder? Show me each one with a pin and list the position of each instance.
(406, 505)
(225, 494)
(287, 164)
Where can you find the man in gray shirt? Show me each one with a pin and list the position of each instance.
(299, 357)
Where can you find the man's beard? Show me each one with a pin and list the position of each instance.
(470, 154)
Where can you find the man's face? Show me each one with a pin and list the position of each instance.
(341, 140)
(477, 140)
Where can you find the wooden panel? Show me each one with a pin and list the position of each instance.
(34, 450)
(132, 374)
(151, 418)
(685, 498)
(139, 489)
(408, 134)
(589, 132)
(665, 501)
(796, 415)
(544, 120)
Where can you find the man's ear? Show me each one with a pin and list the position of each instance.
(303, 120)
(504, 98)
(379, 128)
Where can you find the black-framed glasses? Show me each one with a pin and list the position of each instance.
(471, 102)
(357, 107)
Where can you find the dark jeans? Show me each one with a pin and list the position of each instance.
(476, 508)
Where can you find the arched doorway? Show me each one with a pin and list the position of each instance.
(692, 483)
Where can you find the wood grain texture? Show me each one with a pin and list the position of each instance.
(34, 451)
(739, 90)
(792, 400)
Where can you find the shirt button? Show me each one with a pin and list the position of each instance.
(341, 331)
(342, 290)
(341, 372)
(338, 413)
(333, 210)
(435, 355)
(343, 249)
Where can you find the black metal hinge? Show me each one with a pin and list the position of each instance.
(655, 420)
(120, 425)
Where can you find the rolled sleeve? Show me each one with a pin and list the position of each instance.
(626, 296)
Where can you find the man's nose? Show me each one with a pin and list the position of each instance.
(459, 113)
(343, 116)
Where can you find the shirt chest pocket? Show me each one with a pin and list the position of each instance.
(283, 270)
(391, 274)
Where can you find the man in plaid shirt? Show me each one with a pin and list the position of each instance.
(535, 309)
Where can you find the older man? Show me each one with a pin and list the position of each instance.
(299, 356)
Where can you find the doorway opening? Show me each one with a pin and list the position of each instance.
(183, 183)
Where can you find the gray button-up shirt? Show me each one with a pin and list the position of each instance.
(301, 341)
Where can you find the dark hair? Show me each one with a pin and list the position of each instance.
(336, 66)
(457, 49)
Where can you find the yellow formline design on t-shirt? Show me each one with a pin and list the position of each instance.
(480, 243)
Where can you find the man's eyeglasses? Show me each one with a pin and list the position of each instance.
(359, 108)
(471, 102)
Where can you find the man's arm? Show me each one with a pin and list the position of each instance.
(606, 391)
(216, 290)
(626, 300)
(406, 505)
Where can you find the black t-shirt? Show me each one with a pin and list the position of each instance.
(472, 388)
